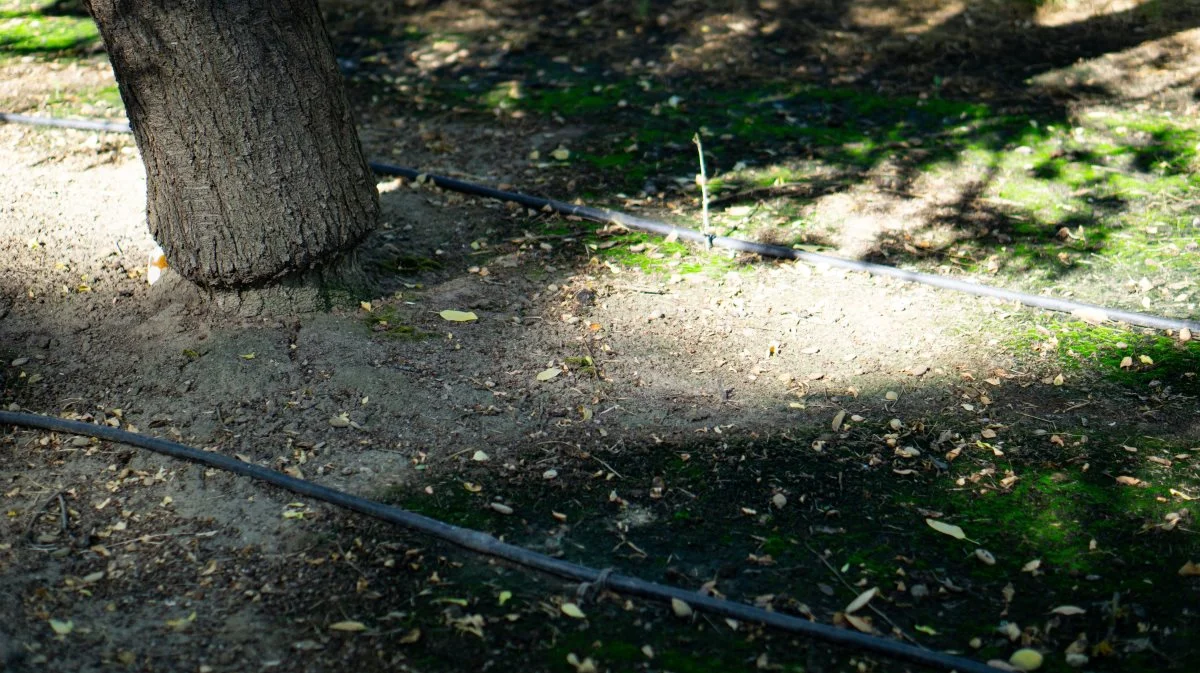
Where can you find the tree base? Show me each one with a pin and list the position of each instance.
(341, 284)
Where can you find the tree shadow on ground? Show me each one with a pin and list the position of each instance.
(820, 97)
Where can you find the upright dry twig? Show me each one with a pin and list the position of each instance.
(702, 180)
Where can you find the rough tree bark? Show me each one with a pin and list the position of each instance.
(254, 170)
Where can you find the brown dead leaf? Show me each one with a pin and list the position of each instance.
(861, 623)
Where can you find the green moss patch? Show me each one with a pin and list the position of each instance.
(29, 29)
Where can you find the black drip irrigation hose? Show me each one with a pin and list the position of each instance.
(1087, 311)
(777, 251)
(483, 543)
(77, 124)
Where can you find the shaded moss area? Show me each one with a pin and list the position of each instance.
(389, 322)
(1071, 519)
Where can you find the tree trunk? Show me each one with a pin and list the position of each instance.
(253, 166)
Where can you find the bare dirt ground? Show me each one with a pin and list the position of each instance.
(702, 393)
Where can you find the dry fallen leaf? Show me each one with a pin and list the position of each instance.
(1026, 659)
(585, 666)
(548, 374)
(947, 529)
(1128, 481)
(680, 608)
(572, 610)
(1010, 629)
(1190, 569)
(1032, 566)
(458, 316)
(182, 623)
(861, 623)
(862, 599)
(62, 628)
(349, 626)
(985, 557)
(1068, 610)
(837, 420)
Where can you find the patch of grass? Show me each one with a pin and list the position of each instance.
(95, 101)
(585, 365)
(451, 503)
(621, 649)
(653, 255)
(1077, 522)
(411, 265)
(26, 30)
(387, 321)
(1152, 357)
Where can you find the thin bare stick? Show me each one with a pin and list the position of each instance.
(702, 180)
(874, 609)
(610, 467)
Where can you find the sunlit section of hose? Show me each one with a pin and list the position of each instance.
(77, 124)
(777, 251)
(483, 543)
(1090, 311)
